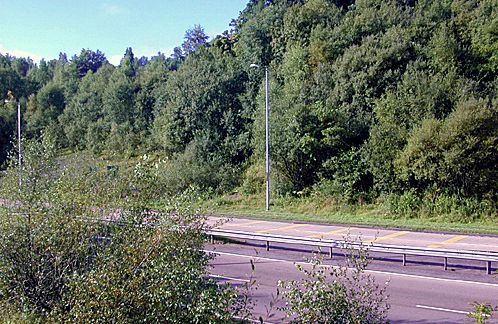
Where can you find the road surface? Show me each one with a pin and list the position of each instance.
(421, 292)
(367, 234)
(415, 297)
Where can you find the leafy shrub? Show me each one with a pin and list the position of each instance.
(481, 313)
(81, 245)
(43, 237)
(254, 179)
(187, 170)
(350, 177)
(343, 294)
(458, 153)
(435, 204)
(155, 274)
(406, 204)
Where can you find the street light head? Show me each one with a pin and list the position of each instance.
(254, 66)
(10, 95)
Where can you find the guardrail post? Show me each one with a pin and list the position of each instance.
(488, 257)
(211, 238)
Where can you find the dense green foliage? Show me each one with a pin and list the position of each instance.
(63, 259)
(342, 294)
(368, 99)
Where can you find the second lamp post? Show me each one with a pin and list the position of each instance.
(267, 133)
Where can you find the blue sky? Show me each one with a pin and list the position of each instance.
(44, 28)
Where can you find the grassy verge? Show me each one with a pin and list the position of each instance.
(328, 210)
(320, 208)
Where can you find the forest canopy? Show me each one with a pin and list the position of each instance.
(368, 98)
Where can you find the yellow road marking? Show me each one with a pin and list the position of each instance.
(281, 228)
(331, 232)
(239, 224)
(454, 239)
(385, 237)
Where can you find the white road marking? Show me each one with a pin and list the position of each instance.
(434, 278)
(443, 309)
(247, 256)
(251, 320)
(228, 278)
(369, 271)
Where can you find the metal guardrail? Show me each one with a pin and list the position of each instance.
(486, 256)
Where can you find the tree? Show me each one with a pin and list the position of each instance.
(195, 38)
(85, 109)
(420, 95)
(324, 90)
(458, 154)
(88, 60)
(202, 101)
(9, 79)
(200, 113)
(128, 63)
(45, 108)
(483, 37)
(149, 84)
(42, 74)
(259, 32)
(66, 75)
(119, 112)
(7, 129)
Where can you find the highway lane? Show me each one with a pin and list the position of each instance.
(367, 234)
(437, 297)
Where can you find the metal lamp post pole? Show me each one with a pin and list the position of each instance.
(267, 128)
(267, 132)
(19, 140)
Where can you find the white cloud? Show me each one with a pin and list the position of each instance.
(20, 53)
(114, 10)
(115, 59)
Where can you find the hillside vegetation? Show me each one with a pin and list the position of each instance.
(371, 100)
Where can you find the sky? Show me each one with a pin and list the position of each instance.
(44, 28)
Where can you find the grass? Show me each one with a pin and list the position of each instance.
(320, 208)
(329, 210)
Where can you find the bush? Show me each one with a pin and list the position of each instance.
(350, 177)
(63, 259)
(406, 204)
(458, 153)
(43, 237)
(254, 178)
(151, 274)
(481, 313)
(343, 294)
(436, 204)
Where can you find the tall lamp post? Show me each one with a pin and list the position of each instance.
(267, 133)
(18, 135)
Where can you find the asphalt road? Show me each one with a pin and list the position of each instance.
(367, 234)
(419, 293)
